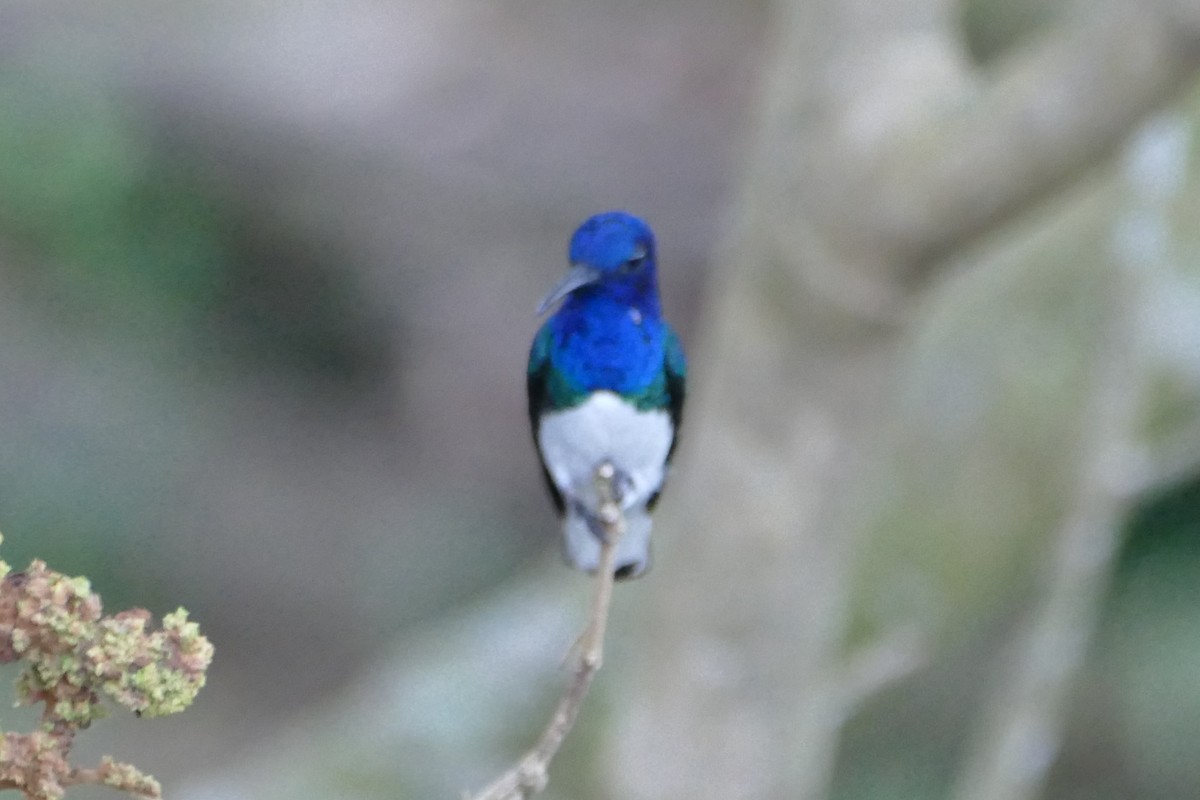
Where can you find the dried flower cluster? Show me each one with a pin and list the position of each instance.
(75, 658)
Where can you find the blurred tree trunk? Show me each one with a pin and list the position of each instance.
(880, 152)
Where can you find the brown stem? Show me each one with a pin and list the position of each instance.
(528, 775)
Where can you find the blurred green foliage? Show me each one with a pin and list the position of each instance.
(112, 228)
(116, 230)
(1135, 718)
(993, 28)
(1166, 527)
(143, 283)
(1145, 681)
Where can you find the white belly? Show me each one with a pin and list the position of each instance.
(605, 428)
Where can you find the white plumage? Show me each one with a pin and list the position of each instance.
(575, 441)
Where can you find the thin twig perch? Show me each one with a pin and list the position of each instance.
(528, 775)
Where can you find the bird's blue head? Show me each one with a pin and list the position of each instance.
(611, 254)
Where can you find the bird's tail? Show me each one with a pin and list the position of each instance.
(581, 545)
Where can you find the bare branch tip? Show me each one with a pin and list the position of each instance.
(529, 775)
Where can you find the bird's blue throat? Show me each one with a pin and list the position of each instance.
(607, 338)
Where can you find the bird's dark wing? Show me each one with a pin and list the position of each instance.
(676, 371)
(537, 389)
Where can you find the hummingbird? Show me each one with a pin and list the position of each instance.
(606, 383)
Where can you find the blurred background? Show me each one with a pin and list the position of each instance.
(267, 280)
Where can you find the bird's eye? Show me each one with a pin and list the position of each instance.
(635, 261)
